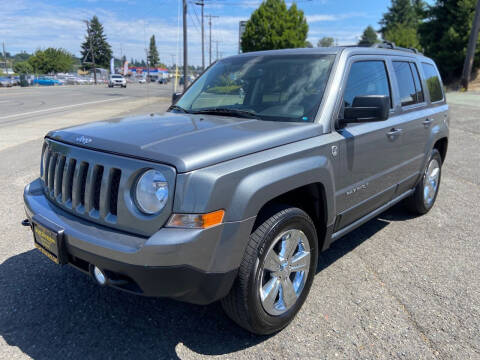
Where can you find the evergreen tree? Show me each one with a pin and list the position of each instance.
(401, 21)
(444, 35)
(153, 58)
(369, 37)
(400, 12)
(403, 35)
(273, 26)
(326, 42)
(101, 48)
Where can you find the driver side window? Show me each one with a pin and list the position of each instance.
(366, 78)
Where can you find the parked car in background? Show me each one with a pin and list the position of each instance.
(142, 81)
(5, 82)
(15, 80)
(117, 80)
(47, 81)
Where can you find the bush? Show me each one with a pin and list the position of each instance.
(22, 67)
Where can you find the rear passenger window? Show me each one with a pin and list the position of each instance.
(418, 83)
(366, 78)
(409, 92)
(433, 82)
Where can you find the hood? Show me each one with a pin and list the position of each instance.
(187, 142)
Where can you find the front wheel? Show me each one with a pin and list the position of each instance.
(276, 272)
(425, 194)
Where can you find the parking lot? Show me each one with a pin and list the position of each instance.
(397, 287)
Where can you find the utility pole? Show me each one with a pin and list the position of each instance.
(472, 43)
(202, 4)
(216, 42)
(4, 58)
(91, 51)
(185, 52)
(210, 41)
(148, 64)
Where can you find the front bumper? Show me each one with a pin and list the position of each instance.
(192, 265)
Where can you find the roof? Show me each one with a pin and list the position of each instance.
(381, 49)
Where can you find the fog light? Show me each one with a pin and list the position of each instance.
(99, 276)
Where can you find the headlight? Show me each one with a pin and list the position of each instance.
(151, 192)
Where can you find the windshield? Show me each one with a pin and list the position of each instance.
(269, 87)
(116, 76)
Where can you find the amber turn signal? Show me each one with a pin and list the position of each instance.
(196, 221)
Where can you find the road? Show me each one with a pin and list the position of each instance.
(397, 287)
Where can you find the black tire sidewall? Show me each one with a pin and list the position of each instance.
(260, 320)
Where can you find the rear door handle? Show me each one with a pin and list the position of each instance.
(394, 133)
(427, 122)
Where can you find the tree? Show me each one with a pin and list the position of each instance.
(22, 67)
(21, 56)
(400, 23)
(369, 37)
(406, 12)
(444, 35)
(273, 26)
(51, 60)
(403, 35)
(102, 50)
(308, 44)
(153, 58)
(326, 42)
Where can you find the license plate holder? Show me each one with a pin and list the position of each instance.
(49, 240)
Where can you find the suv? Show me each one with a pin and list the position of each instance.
(117, 80)
(262, 163)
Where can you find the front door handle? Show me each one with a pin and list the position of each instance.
(394, 133)
(427, 122)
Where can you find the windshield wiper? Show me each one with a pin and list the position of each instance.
(179, 108)
(227, 112)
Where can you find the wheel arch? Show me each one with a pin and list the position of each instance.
(310, 198)
(442, 145)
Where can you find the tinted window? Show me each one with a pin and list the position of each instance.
(406, 85)
(433, 82)
(269, 87)
(418, 83)
(366, 78)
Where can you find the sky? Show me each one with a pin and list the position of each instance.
(27, 25)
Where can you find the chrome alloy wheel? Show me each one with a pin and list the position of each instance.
(430, 182)
(284, 271)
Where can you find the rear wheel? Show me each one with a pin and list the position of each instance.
(276, 273)
(426, 191)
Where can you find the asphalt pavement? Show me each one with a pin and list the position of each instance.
(397, 287)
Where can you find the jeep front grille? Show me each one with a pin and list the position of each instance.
(82, 185)
(97, 186)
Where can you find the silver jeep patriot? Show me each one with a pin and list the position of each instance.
(259, 166)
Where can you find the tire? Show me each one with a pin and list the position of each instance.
(425, 194)
(244, 304)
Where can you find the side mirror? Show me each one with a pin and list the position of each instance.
(367, 108)
(175, 97)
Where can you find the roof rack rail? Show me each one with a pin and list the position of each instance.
(392, 46)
